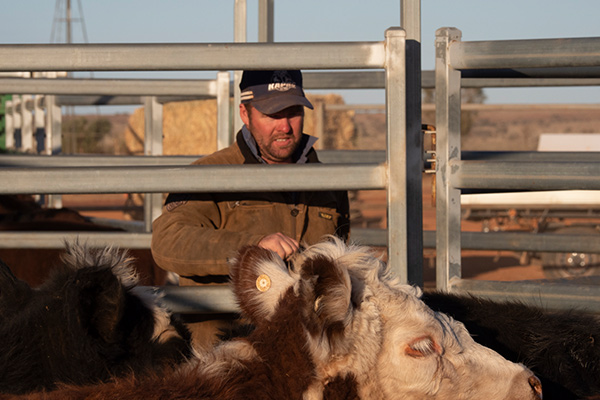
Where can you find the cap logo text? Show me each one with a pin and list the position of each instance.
(281, 86)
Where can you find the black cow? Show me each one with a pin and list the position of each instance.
(561, 347)
(87, 323)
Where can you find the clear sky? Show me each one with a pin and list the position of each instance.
(139, 21)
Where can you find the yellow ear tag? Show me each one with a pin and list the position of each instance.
(263, 283)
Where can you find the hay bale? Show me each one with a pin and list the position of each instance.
(339, 130)
(189, 128)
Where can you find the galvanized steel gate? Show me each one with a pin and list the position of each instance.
(398, 171)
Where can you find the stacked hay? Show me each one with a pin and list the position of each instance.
(190, 128)
(339, 130)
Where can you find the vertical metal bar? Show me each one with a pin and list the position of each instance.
(39, 124)
(9, 127)
(153, 132)
(410, 19)
(411, 23)
(265, 21)
(320, 125)
(240, 17)
(26, 122)
(447, 116)
(53, 140)
(153, 145)
(53, 126)
(395, 99)
(17, 122)
(224, 138)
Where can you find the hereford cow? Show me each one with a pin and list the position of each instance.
(86, 324)
(561, 347)
(333, 325)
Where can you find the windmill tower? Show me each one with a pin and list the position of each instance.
(64, 18)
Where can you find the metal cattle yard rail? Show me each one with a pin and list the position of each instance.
(391, 174)
(518, 59)
(458, 64)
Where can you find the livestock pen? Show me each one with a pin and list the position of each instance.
(391, 175)
(397, 170)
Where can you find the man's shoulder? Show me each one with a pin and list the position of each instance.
(228, 155)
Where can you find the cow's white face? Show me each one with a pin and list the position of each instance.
(427, 355)
(395, 346)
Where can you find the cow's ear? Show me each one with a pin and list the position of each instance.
(259, 277)
(101, 299)
(12, 289)
(331, 295)
(7, 279)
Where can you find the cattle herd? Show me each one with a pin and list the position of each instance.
(333, 323)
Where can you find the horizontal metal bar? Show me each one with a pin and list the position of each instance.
(582, 294)
(56, 240)
(518, 107)
(528, 156)
(356, 107)
(495, 78)
(107, 100)
(369, 237)
(525, 175)
(516, 241)
(524, 73)
(538, 53)
(111, 87)
(193, 300)
(344, 80)
(128, 240)
(527, 82)
(512, 241)
(546, 294)
(198, 178)
(27, 160)
(191, 56)
(173, 89)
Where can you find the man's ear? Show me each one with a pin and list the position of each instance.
(244, 115)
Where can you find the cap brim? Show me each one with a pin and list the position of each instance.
(278, 103)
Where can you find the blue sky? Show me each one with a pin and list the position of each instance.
(138, 21)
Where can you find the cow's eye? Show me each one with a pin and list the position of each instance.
(422, 347)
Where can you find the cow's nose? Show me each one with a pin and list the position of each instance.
(536, 385)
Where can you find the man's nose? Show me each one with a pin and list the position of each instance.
(283, 124)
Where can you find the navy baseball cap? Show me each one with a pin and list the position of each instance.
(273, 91)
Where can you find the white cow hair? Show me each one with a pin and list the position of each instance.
(363, 326)
(389, 319)
(225, 358)
(78, 256)
(281, 279)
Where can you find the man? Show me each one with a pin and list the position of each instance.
(197, 233)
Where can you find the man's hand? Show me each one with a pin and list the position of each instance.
(281, 244)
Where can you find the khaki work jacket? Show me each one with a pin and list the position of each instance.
(197, 233)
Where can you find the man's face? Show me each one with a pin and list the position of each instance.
(277, 135)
